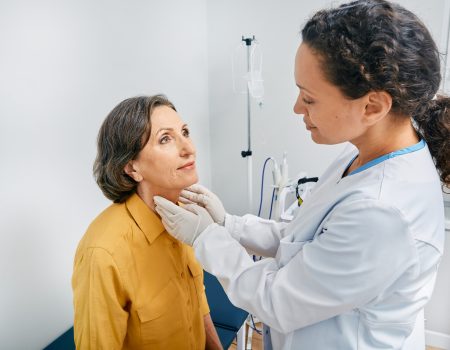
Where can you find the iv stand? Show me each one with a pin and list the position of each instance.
(248, 154)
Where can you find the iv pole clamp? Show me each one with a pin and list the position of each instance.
(244, 154)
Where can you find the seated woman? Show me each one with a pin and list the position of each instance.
(136, 287)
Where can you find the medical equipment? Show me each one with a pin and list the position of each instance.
(288, 194)
(248, 77)
(249, 81)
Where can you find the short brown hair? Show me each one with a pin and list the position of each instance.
(123, 134)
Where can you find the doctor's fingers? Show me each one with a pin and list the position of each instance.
(198, 198)
(172, 219)
(166, 205)
(165, 215)
(184, 200)
(170, 222)
(196, 209)
(197, 188)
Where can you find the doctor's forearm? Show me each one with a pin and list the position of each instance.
(256, 234)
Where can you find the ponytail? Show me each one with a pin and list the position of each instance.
(433, 125)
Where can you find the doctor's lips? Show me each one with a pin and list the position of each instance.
(187, 166)
(309, 126)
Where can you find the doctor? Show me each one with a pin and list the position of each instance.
(357, 265)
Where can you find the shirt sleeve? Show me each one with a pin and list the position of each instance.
(363, 248)
(99, 302)
(259, 236)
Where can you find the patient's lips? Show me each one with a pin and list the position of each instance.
(187, 166)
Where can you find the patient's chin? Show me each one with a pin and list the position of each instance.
(189, 180)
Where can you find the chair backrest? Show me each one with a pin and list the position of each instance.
(223, 313)
(63, 342)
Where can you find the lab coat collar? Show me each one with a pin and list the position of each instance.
(149, 223)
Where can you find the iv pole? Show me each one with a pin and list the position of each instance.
(248, 154)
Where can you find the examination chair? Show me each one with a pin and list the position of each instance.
(227, 318)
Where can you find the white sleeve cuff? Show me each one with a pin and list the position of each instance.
(232, 226)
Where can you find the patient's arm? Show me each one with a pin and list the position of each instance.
(212, 339)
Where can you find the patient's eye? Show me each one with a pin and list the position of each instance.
(186, 132)
(164, 139)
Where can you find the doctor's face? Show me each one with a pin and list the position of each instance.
(330, 116)
(167, 161)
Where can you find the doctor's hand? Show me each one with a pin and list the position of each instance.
(203, 197)
(184, 223)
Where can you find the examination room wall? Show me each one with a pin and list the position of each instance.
(275, 128)
(63, 66)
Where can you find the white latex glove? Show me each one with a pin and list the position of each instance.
(184, 223)
(203, 197)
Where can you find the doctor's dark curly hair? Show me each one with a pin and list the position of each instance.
(376, 45)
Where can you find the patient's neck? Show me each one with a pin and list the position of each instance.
(147, 193)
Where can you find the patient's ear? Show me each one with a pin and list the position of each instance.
(378, 105)
(132, 172)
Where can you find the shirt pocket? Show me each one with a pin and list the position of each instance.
(197, 275)
(162, 316)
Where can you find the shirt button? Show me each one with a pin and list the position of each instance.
(188, 302)
(174, 245)
(182, 275)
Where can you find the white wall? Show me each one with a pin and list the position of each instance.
(63, 66)
(275, 128)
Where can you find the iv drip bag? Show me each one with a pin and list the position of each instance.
(248, 77)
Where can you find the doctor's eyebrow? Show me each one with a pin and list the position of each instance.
(303, 88)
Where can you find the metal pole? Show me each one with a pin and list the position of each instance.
(249, 129)
(248, 152)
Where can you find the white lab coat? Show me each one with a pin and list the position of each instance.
(352, 270)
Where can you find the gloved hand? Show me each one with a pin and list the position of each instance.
(203, 197)
(184, 223)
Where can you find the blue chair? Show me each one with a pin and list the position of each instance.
(227, 318)
(63, 342)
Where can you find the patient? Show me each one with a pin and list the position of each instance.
(135, 287)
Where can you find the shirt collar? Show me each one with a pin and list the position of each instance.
(149, 223)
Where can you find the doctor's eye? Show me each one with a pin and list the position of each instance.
(306, 101)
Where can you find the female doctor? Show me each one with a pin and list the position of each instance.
(357, 265)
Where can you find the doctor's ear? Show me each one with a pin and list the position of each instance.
(378, 105)
(132, 172)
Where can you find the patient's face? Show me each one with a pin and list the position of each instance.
(167, 161)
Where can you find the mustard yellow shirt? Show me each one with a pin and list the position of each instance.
(134, 286)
